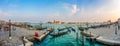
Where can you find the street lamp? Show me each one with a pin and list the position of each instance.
(10, 29)
(116, 29)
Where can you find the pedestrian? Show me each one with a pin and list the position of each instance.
(0, 28)
(36, 34)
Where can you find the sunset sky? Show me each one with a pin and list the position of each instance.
(62, 10)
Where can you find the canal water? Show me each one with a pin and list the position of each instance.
(69, 39)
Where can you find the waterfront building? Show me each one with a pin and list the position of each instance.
(2, 22)
(119, 21)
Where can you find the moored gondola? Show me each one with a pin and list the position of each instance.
(59, 34)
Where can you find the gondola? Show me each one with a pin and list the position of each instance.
(81, 28)
(59, 34)
(61, 29)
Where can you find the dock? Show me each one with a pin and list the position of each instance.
(106, 35)
(16, 36)
(42, 37)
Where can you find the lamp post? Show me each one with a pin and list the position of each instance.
(77, 38)
(116, 28)
(82, 37)
(22, 38)
(10, 29)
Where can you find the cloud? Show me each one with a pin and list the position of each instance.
(74, 9)
(71, 9)
(108, 11)
(69, 12)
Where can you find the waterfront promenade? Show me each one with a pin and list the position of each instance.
(106, 35)
(16, 36)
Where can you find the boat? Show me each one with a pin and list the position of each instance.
(44, 28)
(81, 28)
(38, 28)
(61, 29)
(59, 34)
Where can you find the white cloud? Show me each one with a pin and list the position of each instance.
(74, 9)
(108, 11)
(71, 12)
(71, 9)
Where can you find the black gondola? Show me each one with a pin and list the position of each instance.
(59, 34)
(63, 28)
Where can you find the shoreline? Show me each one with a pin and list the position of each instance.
(105, 35)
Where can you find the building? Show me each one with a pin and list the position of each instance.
(2, 22)
(119, 22)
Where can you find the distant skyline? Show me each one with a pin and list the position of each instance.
(62, 10)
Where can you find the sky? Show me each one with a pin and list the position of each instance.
(62, 10)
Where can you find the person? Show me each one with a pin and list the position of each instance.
(36, 34)
(0, 28)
